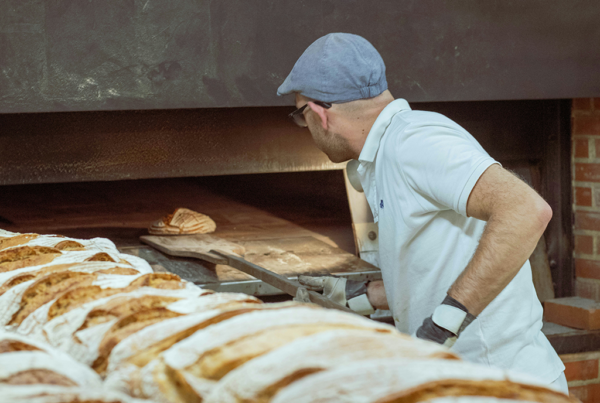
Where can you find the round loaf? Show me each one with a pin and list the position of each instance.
(183, 221)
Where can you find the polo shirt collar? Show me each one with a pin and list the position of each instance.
(384, 119)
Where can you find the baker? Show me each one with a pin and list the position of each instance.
(455, 229)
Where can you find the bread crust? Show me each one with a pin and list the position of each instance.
(17, 240)
(261, 378)
(183, 221)
(24, 256)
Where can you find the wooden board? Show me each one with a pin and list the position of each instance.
(289, 257)
(197, 246)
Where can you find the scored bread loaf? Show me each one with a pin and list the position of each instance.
(194, 365)
(37, 256)
(408, 380)
(24, 256)
(48, 288)
(16, 277)
(150, 310)
(125, 327)
(183, 221)
(60, 330)
(141, 348)
(80, 294)
(11, 342)
(145, 345)
(261, 378)
(473, 399)
(16, 240)
(62, 394)
(39, 367)
(56, 241)
(94, 331)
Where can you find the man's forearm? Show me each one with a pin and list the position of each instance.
(506, 244)
(376, 295)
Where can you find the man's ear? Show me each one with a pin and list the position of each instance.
(322, 112)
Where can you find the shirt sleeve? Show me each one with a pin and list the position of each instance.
(442, 163)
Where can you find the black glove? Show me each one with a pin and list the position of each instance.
(447, 323)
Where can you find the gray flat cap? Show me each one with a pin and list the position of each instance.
(337, 68)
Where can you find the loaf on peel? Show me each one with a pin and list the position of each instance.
(183, 221)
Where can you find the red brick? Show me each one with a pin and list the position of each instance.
(583, 196)
(581, 370)
(597, 145)
(576, 312)
(586, 125)
(589, 289)
(581, 148)
(587, 220)
(585, 268)
(584, 244)
(582, 104)
(587, 172)
(586, 393)
(597, 104)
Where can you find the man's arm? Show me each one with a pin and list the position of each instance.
(516, 219)
(376, 295)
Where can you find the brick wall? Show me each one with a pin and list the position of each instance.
(585, 121)
(582, 372)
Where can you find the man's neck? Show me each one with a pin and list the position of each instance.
(361, 132)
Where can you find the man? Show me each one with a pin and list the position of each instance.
(455, 228)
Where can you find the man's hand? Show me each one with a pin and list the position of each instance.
(446, 324)
(341, 290)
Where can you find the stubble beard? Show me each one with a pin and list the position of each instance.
(333, 145)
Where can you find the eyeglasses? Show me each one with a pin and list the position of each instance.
(298, 115)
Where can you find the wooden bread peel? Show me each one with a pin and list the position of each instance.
(220, 251)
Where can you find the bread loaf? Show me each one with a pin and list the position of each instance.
(125, 327)
(183, 221)
(24, 256)
(39, 367)
(60, 330)
(160, 337)
(405, 380)
(11, 342)
(197, 362)
(82, 295)
(62, 394)
(145, 345)
(140, 349)
(79, 295)
(16, 240)
(261, 378)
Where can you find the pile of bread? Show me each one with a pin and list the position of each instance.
(86, 323)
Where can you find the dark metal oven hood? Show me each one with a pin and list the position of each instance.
(67, 55)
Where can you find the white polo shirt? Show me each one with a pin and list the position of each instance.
(417, 170)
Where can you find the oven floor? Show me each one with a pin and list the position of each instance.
(123, 210)
(290, 223)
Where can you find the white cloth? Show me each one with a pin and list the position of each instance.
(417, 170)
(561, 384)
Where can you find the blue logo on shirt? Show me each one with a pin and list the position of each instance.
(381, 204)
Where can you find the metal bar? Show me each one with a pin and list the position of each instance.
(278, 281)
(260, 288)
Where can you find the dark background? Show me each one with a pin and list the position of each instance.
(75, 55)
